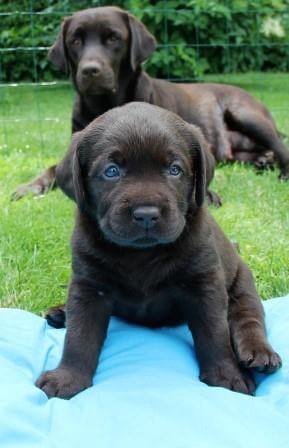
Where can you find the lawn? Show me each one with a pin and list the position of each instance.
(35, 232)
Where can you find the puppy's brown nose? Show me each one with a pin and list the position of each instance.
(91, 70)
(146, 216)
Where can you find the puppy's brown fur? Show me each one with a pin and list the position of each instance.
(145, 249)
(103, 48)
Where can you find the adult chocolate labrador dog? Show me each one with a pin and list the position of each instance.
(144, 248)
(102, 49)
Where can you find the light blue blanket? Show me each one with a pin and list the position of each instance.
(146, 392)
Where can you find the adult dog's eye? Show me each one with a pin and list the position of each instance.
(112, 171)
(112, 38)
(76, 41)
(175, 170)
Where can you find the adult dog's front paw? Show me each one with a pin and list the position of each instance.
(62, 383)
(229, 376)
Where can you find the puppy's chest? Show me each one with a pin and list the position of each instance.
(142, 274)
(151, 292)
(156, 307)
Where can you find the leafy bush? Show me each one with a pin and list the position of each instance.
(194, 36)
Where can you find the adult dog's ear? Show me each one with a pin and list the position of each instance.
(142, 44)
(202, 167)
(69, 174)
(57, 53)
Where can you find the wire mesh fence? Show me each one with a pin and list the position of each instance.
(194, 38)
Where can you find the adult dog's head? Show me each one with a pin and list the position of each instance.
(137, 171)
(94, 45)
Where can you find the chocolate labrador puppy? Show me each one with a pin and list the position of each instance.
(144, 248)
(102, 49)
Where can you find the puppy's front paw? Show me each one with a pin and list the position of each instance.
(229, 376)
(62, 383)
(260, 357)
(265, 161)
(284, 175)
(214, 199)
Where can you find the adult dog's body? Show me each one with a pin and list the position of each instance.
(103, 48)
(145, 249)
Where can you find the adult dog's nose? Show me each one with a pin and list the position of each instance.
(146, 216)
(91, 70)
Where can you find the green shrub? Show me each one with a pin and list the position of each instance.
(194, 36)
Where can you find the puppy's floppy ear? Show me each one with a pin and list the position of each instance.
(69, 174)
(57, 53)
(78, 182)
(199, 176)
(200, 155)
(143, 43)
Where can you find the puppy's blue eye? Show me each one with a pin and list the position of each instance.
(175, 170)
(112, 171)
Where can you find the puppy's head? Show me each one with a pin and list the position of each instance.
(95, 44)
(137, 171)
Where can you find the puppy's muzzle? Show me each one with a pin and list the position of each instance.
(146, 217)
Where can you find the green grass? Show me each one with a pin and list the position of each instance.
(35, 232)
